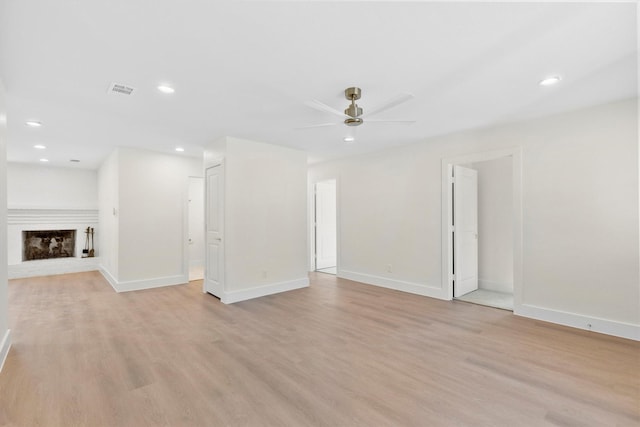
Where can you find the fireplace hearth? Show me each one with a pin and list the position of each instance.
(46, 244)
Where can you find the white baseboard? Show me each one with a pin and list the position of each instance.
(138, 285)
(5, 346)
(48, 267)
(594, 324)
(261, 291)
(399, 285)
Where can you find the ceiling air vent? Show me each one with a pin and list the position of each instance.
(120, 89)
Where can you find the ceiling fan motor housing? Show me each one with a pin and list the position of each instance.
(353, 94)
(353, 110)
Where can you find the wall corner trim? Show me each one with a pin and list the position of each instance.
(261, 291)
(5, 346)
(398, 285)
(138, 285)
(579, 321)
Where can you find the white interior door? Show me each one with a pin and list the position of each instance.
(196, 227)
(214, 226)
(465, 234)
(325, 217)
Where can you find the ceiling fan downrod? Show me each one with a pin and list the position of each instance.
(353, 111)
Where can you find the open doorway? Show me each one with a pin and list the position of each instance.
(487, 214)
(325, 230)
(482, 242)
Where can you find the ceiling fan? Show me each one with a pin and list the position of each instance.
(353, 115)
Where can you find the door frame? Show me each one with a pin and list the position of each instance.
(311, 222)
(447, 214)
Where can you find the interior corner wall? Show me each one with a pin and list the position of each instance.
(495, 224)
(5, 337)
(580, 213)
(152, 217)
(265, 214)
(108, 216)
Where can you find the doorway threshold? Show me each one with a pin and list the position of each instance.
(328, 270)
(488, 298)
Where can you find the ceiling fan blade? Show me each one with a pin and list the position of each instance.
(393, 102)
(314, 103)
(316, 126)
(389, 121)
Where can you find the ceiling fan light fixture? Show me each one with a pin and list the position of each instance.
(166, 89)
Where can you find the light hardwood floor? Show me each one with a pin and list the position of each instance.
(338, 353)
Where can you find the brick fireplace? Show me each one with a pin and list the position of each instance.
(50, 241)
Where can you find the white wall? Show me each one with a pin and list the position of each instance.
(5, 337)
(108, 183)
(580, 220)
(495, 224)
(44, 187)
(196, 223)
(265, 217)
(150, 219)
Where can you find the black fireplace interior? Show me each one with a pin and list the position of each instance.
(45, 244)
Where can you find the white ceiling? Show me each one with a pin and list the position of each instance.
(245, 69)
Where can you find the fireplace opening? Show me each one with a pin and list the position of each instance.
(46, 244)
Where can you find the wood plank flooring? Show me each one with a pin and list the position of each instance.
(338, 353)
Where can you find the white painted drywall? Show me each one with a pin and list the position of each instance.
(495, 224)
(44, 187)
(108, 214)
(5, 340)
(580, 202)
(152, 215)
(196, 222)
(265, 216)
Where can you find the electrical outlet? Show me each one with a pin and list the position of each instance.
(389, 268)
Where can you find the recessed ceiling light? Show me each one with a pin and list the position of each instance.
(179, 149)
(44, 160)
(549, 81)
(166, 89)
(74, 161)
(39, 146)
(349, 139)
(33, 123)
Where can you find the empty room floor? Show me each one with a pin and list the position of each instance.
(338, 353)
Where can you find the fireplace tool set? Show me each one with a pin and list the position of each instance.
(88, 251)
